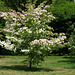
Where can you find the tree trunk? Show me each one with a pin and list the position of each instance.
(30, 63)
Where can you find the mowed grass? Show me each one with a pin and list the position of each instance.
(53, 65)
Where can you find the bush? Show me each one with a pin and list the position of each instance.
(3, 7)
(2, 22)
(2, 25)
(4, 51)
(65, 15)
(61, 50)
(72, 41)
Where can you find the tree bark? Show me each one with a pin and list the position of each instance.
(30, 63)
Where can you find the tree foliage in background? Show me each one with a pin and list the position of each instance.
(2, 35)
(65, 16)
(72, 41)
(3, 7)
(19, 5)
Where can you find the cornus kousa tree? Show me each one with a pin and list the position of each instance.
(22, 28)
(29, 31)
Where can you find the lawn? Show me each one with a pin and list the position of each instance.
(53, 65)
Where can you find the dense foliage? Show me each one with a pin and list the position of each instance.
(72, 41)
(19, 5)
(3, 7)
(65, 16)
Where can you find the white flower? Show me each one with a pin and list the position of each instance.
(28, 30)
(64, 37)
(44, 10)
(14, 18)
(7, 45)
(25, 27)
(47, 6)
(25, 50)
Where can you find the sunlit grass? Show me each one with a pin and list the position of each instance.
(53, 65)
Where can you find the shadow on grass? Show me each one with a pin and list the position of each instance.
(69, 60)
(25, 68)
(2, 57)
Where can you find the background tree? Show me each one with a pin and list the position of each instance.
(19, 5)
(72, 41)
(64, 12)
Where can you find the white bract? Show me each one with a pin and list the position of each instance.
(25, 50)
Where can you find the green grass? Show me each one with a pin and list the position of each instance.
(53, 65)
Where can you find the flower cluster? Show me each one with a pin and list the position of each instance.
(25, 50)
(53, 41)
(7, 45)
(40, 41)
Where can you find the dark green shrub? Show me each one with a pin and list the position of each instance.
(2, 25)
(3, 7)
(19, 5)
(72, 41)
(15, 4)
(57, 2)
(65, 16)
(2, 22)
(4, 51)
(40, 1)
(64, 11)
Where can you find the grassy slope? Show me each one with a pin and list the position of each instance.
(53, 65)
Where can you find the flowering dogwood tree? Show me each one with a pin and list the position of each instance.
(22, 28)
(30, 30)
